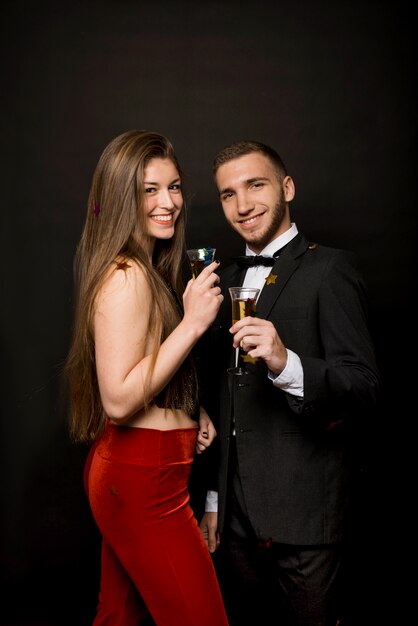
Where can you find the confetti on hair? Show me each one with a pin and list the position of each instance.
(96, 209)
(122, 265)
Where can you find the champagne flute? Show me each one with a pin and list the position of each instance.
(243, 303)
(199, 258)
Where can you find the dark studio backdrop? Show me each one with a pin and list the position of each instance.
(332, 86)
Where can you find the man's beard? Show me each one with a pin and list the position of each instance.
(261, 240)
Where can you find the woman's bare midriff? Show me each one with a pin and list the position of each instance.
(160, 419)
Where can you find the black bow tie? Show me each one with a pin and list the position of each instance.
(253, 260)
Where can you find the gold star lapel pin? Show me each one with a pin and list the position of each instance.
(271, 279)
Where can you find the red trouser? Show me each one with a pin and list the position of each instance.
(152, 546)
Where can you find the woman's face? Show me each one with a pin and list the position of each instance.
(163, 197)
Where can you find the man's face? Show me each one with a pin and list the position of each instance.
(254, 201)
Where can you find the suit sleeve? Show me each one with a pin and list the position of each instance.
(345, 376)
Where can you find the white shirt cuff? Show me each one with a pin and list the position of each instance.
(291, 378)
(211, 505)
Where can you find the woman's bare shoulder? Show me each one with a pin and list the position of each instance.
(125, 278)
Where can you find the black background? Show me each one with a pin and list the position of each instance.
(332, 86)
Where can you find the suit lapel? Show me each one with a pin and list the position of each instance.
(286, 264)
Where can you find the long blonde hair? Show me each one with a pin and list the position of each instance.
(115, 235)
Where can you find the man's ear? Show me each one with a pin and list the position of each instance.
(288, 188)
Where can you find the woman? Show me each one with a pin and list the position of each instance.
(134, 390)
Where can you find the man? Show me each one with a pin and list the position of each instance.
(287, 429)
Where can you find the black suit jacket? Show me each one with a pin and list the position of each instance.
(296, 457)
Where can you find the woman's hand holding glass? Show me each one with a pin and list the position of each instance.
(202, 299)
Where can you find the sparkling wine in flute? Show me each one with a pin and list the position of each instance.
(242, 308)
(243, 304)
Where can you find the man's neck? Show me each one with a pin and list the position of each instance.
(277, 243)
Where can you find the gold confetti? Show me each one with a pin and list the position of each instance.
(122, 265)
(249, 359)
